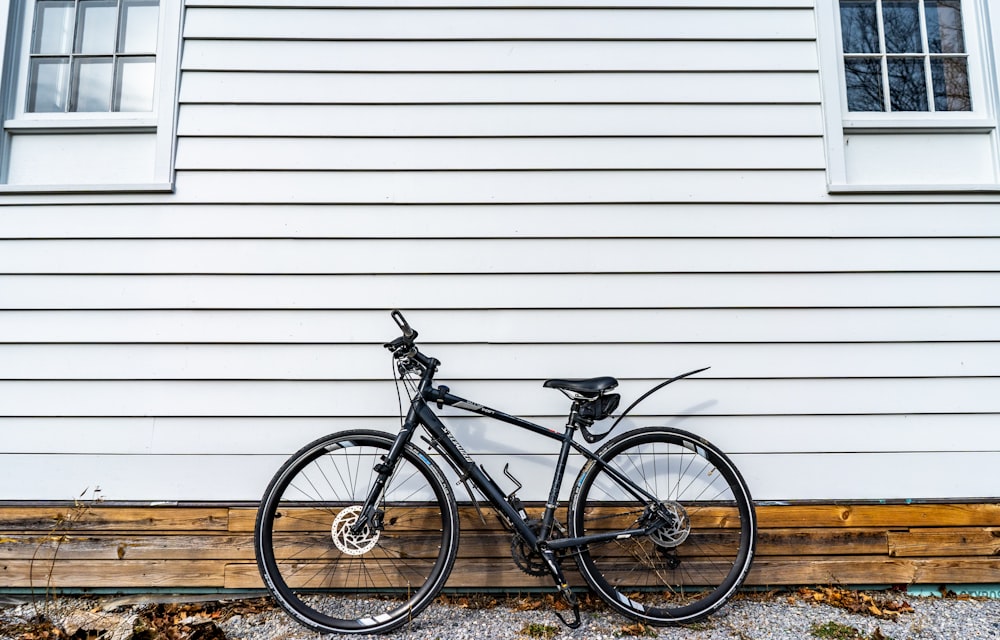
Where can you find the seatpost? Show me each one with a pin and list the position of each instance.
(548, 519)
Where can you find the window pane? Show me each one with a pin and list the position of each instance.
(136, 84)
(47, 84)
(951, 84)
(901, 21)
(907, 86)
(944, 26)
(97, 26)
(859, 26)
(92, 84)
(53, 27)
(139, 21)
(864, 84)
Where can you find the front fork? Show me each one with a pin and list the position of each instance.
(370, 515)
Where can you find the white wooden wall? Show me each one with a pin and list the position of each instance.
(569, 191)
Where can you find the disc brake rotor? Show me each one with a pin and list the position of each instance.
(353, 544)
(677, 529)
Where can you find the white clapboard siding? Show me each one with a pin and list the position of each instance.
(878, 476)
(633, 255)
(288, 87)
(566, 189)
(509, 4)
(498, 326)
(428, 120)
(499, 24)
(570, 291)
(502, 56)
(283, 435)
(557, 221)
(501, 154)
(528, 187)
(484, 362)
(306, 398)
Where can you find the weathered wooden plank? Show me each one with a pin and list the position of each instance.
(468, 573)
(163, 545)
(767, 571)
(873, 570)
(945, 542)
(171, 545)
(88, 516)
(889, 516)
(113, 574)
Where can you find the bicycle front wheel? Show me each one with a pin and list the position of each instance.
(701, 526)
(333, 579)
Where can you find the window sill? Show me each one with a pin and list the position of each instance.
(153, 187)
(918, 125)
(85, 125)
(912, 188)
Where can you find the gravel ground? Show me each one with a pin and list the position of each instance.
(784, 616)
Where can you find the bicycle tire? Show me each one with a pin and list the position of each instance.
(333, 581)
(695, 562)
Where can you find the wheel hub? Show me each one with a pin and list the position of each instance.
(353, 544)
(677, 528)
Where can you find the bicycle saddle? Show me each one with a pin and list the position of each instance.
(583, 385)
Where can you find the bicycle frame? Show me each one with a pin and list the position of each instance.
(444, 442)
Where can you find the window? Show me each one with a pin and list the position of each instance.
(904, 55)
(89, 94)
(909, 95)
(92, 55)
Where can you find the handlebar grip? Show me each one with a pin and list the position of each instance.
(407, 330)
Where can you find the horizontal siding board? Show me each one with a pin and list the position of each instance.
(233, 87)
(771, 477)
(283, 435)
(633, 255)
(483, 154)
(590, 326)
(501, 291)
(530, 187)
(502, 56)
(500, 24)
(54, 398)
(252, 120)
(516, 362)
(736, 220)
(516, 4)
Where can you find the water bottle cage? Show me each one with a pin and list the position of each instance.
(591, 411)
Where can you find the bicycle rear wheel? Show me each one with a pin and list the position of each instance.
(703, 521)
(334, 580)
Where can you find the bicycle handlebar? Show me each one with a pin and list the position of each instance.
(403, 347)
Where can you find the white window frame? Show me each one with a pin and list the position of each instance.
(16, 18)
(981, 31)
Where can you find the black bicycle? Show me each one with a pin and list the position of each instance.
(358, 531)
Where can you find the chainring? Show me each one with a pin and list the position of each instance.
(525, 557)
